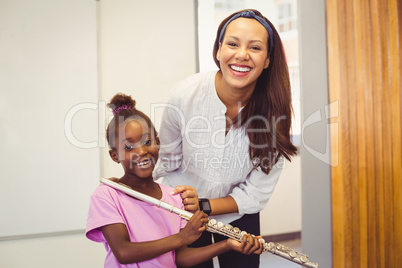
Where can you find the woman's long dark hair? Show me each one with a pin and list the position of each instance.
(270, 107)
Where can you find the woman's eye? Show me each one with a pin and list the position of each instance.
(255, 48)
(231, 44)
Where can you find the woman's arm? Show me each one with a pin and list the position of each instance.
(126, 251)
(250, 196)
(218, 206)
(189, 196)
(170, 152)
(186, 257)
(223, 205)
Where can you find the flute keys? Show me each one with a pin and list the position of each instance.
(220, 225)
(261, 240)
(228, 227)
(236, 230)
(271, 245)
(212, 222)
(293, 254)
(303, 259)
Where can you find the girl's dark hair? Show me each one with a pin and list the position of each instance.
(270, 103)
(123, 107)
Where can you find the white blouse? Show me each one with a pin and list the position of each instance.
(195, 150)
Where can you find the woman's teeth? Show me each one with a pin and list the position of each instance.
(240, 69)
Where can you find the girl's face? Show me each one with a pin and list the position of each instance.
(243, 53)
(136, 148)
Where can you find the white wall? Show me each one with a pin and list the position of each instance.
(47, 66)
(143, 51)
(283, 212)
(61, 251)
(144, 48)
(316, 170)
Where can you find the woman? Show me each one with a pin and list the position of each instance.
(226, 132)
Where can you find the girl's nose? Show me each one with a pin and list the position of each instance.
(141, 150)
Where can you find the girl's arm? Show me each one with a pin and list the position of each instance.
(186, 256)
(126, 251)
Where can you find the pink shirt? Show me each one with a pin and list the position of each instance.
(144, 222)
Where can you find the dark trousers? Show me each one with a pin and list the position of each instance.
(249, 223)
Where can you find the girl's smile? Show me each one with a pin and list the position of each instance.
(145, 163)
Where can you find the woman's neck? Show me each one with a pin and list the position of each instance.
(233, 98)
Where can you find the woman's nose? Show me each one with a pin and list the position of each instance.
(242, 53)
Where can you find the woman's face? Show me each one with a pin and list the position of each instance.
(243, 53)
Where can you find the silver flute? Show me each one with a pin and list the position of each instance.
(217, 227)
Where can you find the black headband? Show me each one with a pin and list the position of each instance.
(252, 15)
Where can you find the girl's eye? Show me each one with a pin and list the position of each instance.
(148, 142)
(232, 44)
(128, 147)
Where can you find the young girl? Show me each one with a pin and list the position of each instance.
(135, 233)
(224, 131)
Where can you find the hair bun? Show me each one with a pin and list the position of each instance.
(121, 102)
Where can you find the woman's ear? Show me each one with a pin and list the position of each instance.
(266, 63)
(115, 157)
(218, 53)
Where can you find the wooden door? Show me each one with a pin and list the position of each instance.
(364, 64)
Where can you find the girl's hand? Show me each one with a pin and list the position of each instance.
(189, 196)
(194, 228)
(248, 246)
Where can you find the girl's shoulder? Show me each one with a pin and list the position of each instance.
(113, 195)
(165, 188)
(105, 191)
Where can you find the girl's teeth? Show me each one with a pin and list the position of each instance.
(144, 163)
(240, 69)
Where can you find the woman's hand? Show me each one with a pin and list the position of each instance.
(249, 245)
(194, 228)
(189, 196)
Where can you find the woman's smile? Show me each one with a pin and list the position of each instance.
(240, 70)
